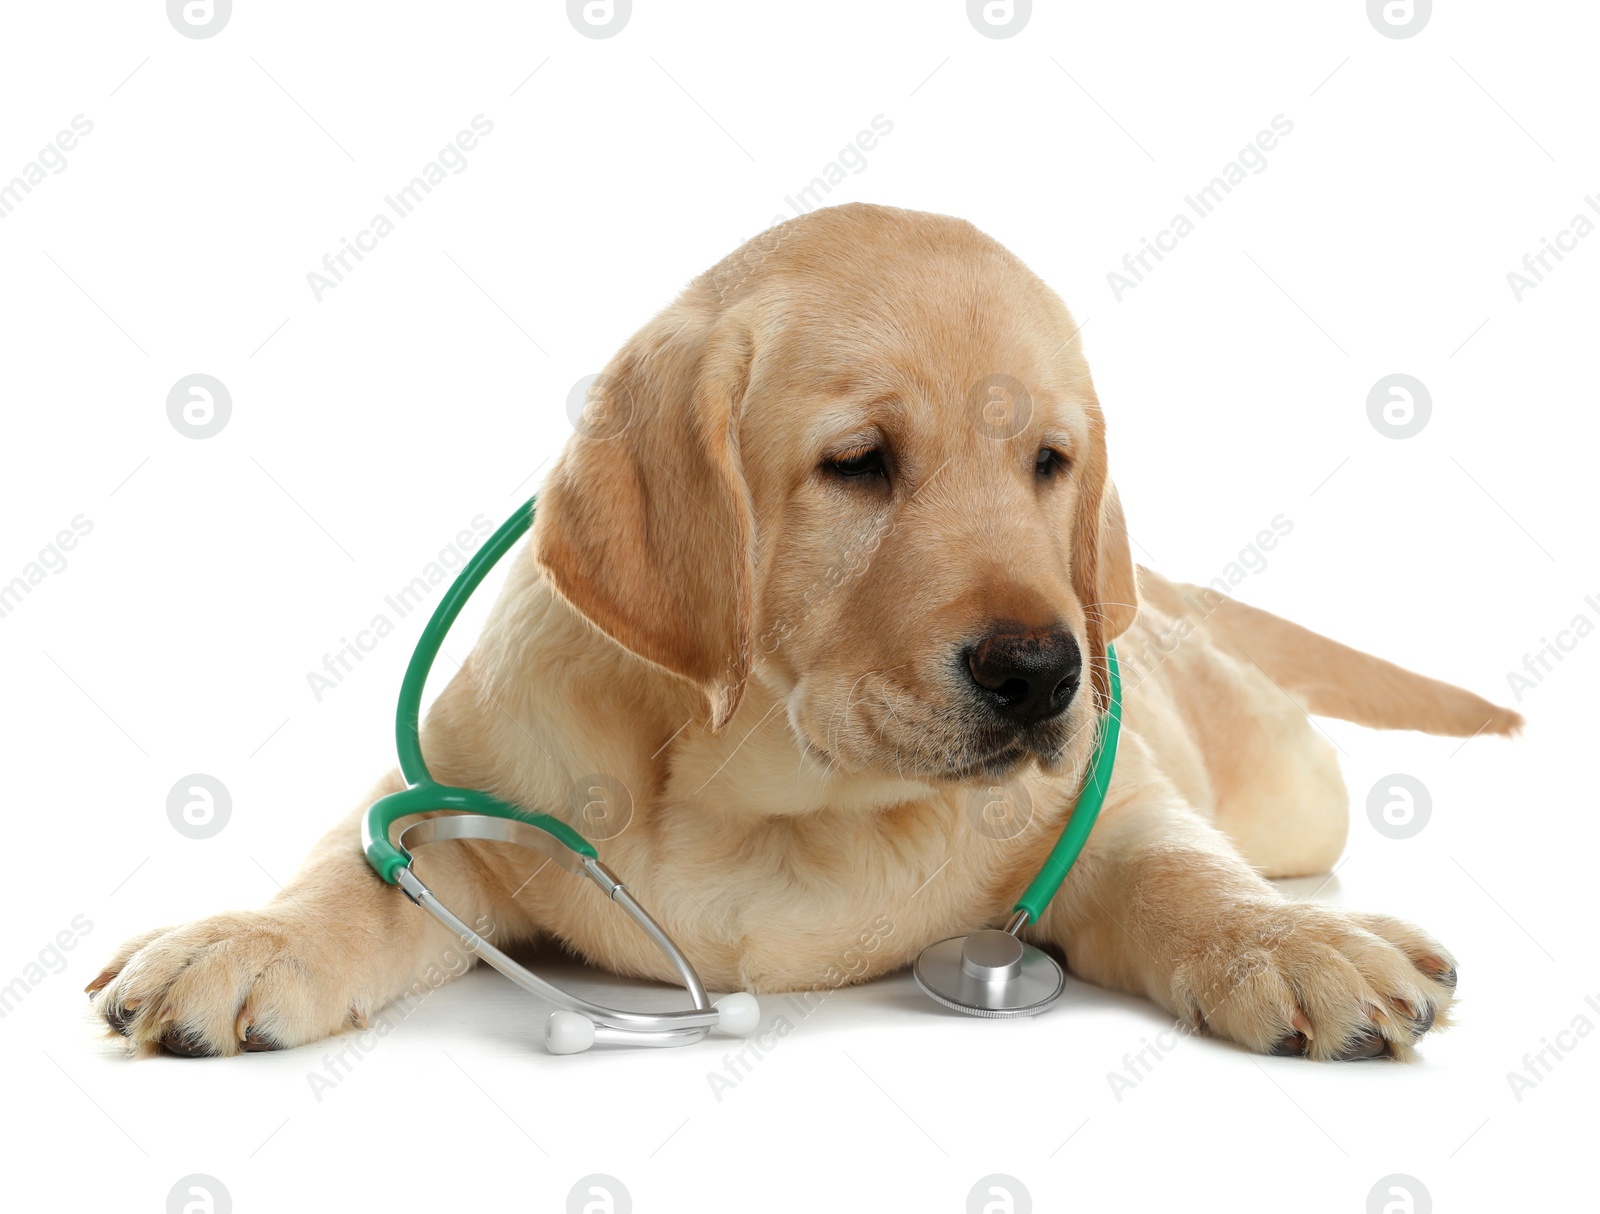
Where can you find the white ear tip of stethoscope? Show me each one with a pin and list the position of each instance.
(568, 1033)
(738, 1014)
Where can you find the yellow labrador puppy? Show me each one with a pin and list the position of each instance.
(827, 576)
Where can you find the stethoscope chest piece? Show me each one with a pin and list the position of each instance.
(994, 973)
(989, 973)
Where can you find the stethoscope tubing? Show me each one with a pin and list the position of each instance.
(478, 815)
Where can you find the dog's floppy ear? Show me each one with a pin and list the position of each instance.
(644, 525)
(1102, 565)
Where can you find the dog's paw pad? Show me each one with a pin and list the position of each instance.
(254, 1042)
(1292, 1046)
(186, 1043)
(120, 1015)
(1366, 1043)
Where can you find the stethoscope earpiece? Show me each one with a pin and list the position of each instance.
(568, 1032)
(738, 1015)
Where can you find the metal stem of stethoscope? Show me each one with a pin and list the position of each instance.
(995, 973)
(477, 815)
(988, 973)
(610, 1024)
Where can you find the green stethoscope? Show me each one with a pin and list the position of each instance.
(981, 973)
(993, 973)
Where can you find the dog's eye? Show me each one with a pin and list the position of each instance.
(1049, 463)
(863, 463)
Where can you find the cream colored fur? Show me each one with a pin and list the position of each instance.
(765, 656)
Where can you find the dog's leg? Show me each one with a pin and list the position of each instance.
(1160, 904)
(333, 947)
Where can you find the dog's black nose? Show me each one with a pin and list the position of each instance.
(1026, 675)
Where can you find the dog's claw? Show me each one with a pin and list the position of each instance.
(100, 983)
(1439, 969)
(1419, 1022)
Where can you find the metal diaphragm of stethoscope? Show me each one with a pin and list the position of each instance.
(989, 973)
(993, 973)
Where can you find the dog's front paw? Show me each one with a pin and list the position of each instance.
(1304, 979)
(230, 984)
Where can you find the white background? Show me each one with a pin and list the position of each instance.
(430, 386)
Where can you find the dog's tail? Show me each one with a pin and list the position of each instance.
(1333, 680)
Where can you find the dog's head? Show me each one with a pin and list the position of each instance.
(862, 461)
